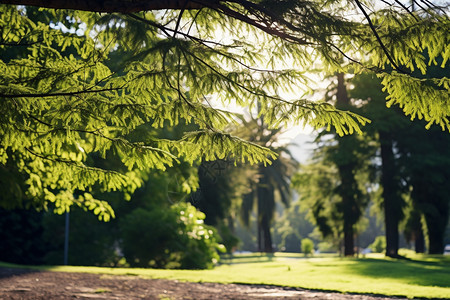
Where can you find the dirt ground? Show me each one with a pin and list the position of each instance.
(28, 284)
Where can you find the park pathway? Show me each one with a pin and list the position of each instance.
(28, 284)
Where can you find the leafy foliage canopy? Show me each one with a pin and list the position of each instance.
(75, 83)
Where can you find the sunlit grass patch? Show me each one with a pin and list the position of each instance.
(102, 290)
(421, 277)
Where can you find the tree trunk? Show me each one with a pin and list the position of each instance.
(349, 246)
(259, 234)
(267, 235)
(436, 221)
(345, 162)
(435, 209)
(347, 191)
(391, 199)
(266, 206)
(419, 241)
(416, 227)
(230, 223)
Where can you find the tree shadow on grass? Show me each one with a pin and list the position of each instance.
(257, 258)
(6, 272)
(425, 273)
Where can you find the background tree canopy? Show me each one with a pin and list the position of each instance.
(80, 78)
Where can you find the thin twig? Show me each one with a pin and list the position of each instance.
(372, 27)
(44, 95)
(179, 17)
(405, 8)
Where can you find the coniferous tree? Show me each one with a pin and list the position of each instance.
(413, 165)
(347, 161)
(384, 129)
(63, 98)
(346, 157)
(426, 163)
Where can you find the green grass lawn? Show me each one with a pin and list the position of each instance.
(423, 276)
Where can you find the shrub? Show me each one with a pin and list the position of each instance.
(307, 246)
(173, 237)
(379, 244)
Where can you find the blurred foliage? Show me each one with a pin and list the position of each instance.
(74, 82)
(379, 244)
(307, 246)
(290, 227)
(169, 238)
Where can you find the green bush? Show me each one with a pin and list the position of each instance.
(174, 237)
(379, 244)
(307, 246)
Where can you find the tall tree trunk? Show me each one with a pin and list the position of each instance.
(391, 200)
(259, 234)
(349, 243)
(436, 218)
(419, 241)
(435, 208)
(265, 225)
(230, 223)
(414, 231)
(348, 192)
(435, 235)
(415, 222)
(266, 206)
(345, 162)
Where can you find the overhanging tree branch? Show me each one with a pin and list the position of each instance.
(388, 55)
(272, 31)
(44, 95)
(111, 6)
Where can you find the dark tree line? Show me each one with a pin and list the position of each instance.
(408, 163)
